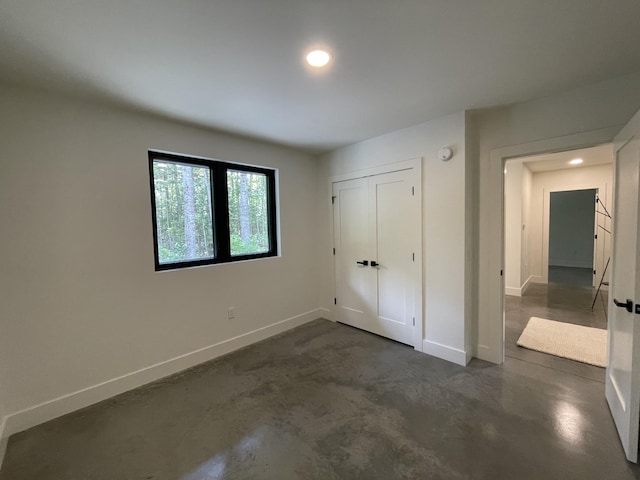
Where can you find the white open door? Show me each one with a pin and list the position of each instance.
(623, 368)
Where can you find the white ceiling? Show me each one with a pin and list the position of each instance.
(237, 64)
(602, 154)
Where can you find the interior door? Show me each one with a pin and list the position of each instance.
(376, 233)
(623, 369)
(392, 207)
(352, 252)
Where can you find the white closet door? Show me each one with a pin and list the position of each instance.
(351, 238)
(390, 201)
(376, 223)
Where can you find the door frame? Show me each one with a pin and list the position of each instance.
(598, 257)
(415, 165)
(494, 350)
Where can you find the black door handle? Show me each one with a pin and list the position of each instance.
(374, 263)
(628, 304)
(364, 263)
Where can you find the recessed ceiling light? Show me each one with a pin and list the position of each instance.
(318, 58)
(576, 161)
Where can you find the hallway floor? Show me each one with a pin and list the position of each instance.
(563, 303)
(326, 401)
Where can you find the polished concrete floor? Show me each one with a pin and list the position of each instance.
(326, 401)
(555, 301)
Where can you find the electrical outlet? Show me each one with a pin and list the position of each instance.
(231, 313)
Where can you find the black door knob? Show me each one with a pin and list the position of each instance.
(374, 263)
(628, 305)
(364, 263)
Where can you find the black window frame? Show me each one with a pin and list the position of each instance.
(219, 209)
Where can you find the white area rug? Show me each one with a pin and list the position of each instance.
(583, 344)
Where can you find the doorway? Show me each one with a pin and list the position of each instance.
(551, 254)
(493, 349)
(572, 237)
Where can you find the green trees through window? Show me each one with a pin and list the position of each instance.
(183, 212)
(207, 211)
(248, 225)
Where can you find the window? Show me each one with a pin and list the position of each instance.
(208, 211)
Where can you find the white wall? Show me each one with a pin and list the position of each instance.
(517, 205)
(569, 119)
(513, 226)
(598, 176)
(446, 224)
(80, 301)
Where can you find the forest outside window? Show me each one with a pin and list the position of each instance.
(208, 211)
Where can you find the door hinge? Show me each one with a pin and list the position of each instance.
(413, 190)
(334, 251)
(333, 199)
(413, 256)
(595, 236)
(500, 272)
(335, 301)
(594, 272)
(414, 321)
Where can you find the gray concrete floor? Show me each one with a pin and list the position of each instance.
(326, 401)
(563, 303)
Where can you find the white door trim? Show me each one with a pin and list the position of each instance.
(494, 350)
(378, 170)
(414, 164)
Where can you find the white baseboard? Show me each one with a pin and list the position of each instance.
(445, 352)
(519, 291)
(4, 439)
(512, 291)
(537, 279)
(37, 414)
